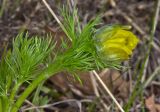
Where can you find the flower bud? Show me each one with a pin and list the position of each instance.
(115, 42)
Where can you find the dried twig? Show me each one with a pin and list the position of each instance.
(55, 16)
(152, 76)
(108, 91)
(60, 102)
(52, 12)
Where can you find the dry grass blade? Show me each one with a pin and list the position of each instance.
(51, 11)
(108, 91)
(95, 87)
(79, 104)
(156, 72)
(138, 89)
(54, 15)
(152, 32)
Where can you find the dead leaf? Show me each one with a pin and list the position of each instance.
(151, 105)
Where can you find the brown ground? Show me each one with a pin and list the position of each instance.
(33, 16)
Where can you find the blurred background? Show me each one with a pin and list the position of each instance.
(33, 16)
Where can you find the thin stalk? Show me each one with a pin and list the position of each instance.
(3, 7)
(53, 69)
(36, 95)
(27, 91)
(56, 18)
(108, 91)
(142, 102)
(153, 75)
(1, 107)
(14, 91)
(137, 89)
(37, 92)
(4, 104)
(139, 86)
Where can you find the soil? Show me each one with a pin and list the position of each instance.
(32, 16)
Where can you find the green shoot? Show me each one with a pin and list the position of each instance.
(27, 60)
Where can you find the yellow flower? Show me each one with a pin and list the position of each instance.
(116, 42)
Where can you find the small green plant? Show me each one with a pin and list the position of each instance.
(2, 7)
(30, 62)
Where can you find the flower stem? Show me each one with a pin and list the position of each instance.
(52, 69)
(4, 104)
(14, 90)
(1, 105)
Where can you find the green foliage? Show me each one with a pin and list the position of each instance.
(69, 23)
(82, 55)
(27, 55)
(5, 77)
(23, 63)
(27, 59)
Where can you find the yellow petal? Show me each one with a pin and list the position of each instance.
(116, 54)
(116, 42)
(112, 46)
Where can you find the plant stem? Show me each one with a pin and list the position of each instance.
(13, 93)
(1, 107)
(56, 18)
(152, 76)
(3, 7)
(29, 89)
(139, 85)
(52, 69)
(4, 104)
